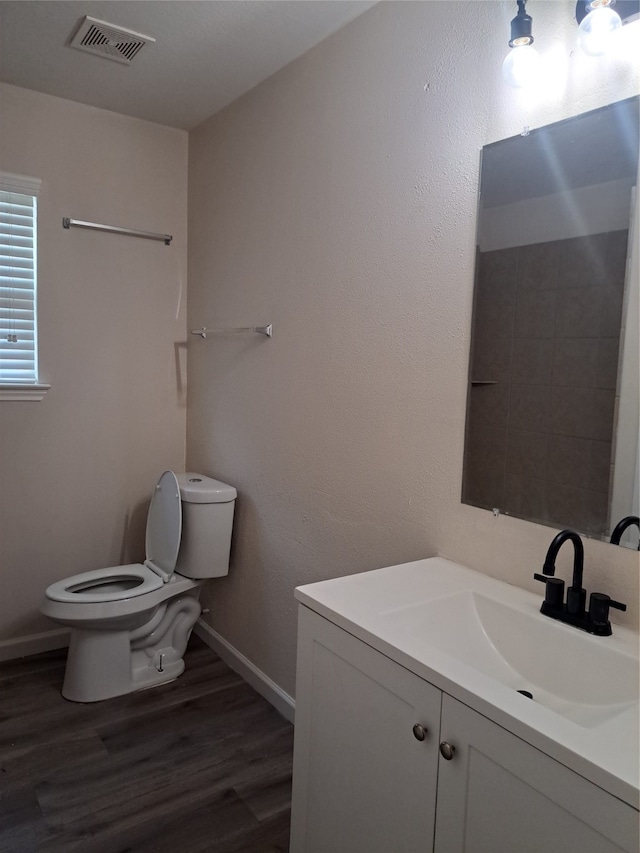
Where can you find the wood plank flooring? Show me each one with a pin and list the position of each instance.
(200, 764)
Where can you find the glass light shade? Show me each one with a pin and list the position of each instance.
(595, 30)
(521, 66)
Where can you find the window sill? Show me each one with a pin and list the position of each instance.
(23, 392)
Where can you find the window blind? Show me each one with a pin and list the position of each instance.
(18, 279)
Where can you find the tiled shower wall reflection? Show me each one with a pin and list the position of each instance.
(544, 366)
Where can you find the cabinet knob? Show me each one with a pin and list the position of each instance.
(420, 732)
(447, 750)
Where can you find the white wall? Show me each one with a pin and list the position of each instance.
(77, 468)
(338, 201)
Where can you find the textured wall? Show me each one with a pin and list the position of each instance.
(338, 201)
(77, 468)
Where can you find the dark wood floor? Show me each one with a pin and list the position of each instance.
(201, 764)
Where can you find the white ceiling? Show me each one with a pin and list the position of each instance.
(207, 52)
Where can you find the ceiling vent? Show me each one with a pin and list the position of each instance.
(108, 41)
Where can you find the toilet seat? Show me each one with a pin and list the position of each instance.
(119, 583)
(89, 587)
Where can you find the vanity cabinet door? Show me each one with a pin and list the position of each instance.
(498, 794)
(363, 780)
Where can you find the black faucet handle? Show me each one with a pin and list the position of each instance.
(554, 590)
(599, 605)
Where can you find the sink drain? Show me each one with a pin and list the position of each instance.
(526, 693)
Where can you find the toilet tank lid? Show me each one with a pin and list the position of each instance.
(199, 489)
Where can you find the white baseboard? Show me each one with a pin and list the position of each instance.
(281, 701)
(33, 644)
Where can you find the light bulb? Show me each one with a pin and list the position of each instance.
(594, 32)
(521, 66)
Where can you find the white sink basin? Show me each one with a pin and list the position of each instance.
(565, 669)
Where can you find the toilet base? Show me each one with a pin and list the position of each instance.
(102, 664)
(98, 666)
(150, 677)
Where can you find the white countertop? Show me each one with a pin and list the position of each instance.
(607, 752)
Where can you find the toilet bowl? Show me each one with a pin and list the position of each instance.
(130, 624)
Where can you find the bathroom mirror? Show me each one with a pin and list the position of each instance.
(552, 430)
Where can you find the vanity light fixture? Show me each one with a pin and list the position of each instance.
(598, 21)
(521, 65)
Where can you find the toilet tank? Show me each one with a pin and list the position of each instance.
(207, 520)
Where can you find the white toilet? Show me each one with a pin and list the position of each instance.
(130, 624)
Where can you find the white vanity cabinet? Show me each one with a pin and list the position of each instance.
(369, 771)
(498, 794)
(363, 781)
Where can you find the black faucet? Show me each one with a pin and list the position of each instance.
(621, 526)
(576, 595)
(596, 621)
